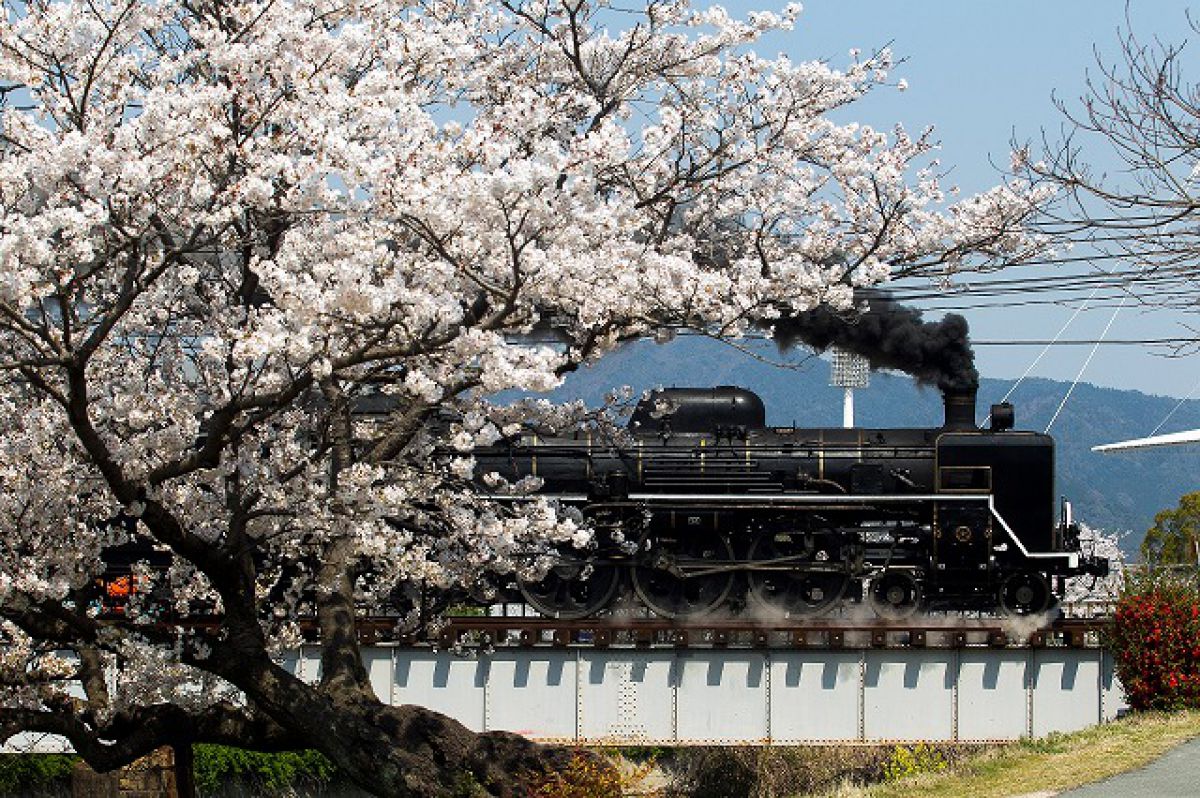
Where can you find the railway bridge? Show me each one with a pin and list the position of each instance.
(646, 682)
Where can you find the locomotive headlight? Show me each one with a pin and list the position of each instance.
(963, 534)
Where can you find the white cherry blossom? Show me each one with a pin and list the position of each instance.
(225, 225)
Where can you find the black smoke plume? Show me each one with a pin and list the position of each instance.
(890, 336)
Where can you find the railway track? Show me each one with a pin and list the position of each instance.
(537, 632)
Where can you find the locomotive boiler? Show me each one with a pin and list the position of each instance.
(702, 507)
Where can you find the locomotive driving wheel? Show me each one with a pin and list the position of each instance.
(1026, 593)
(783, 578)
(684, 575)
(574, 587)
(895, 594)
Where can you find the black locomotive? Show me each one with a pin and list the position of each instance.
(704, 507)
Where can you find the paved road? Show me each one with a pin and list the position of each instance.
(1174, 775)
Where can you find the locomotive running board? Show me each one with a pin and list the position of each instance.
(793, 500)
(1072, 558)
(824, 498)
(732, 498)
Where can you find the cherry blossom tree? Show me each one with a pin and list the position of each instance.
(1126, 171)
(1098, 591)
(227, 225)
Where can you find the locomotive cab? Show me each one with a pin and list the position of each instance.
(1015, 468)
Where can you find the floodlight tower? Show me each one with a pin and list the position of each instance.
(850, 371)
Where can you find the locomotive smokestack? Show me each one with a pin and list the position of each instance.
(960, 409)
(890, 336)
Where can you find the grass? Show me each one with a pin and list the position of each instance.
(1056, 763)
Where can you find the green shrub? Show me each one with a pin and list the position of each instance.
(1155, 641)
(918, 759)
(216, 765)
(1053, 743)
(21, 774)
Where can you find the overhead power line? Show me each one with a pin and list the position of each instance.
(1047, 342)
(1082, 369)
(1065, 281)
(1092, 342)
(1092, 222)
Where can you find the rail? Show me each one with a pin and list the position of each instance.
(537, 632)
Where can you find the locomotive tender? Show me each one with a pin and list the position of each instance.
(704, 507)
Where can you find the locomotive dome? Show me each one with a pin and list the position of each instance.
(699, 409)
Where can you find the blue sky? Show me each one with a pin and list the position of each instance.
(982, 73)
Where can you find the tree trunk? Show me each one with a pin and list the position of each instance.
(412, 751)
(185, 773)
(395, 751)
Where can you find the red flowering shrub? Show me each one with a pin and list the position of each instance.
(1155, 642)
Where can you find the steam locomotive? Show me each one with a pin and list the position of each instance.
(703, 507)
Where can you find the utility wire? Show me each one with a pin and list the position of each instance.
(1064, 282)
(1042, 354)
(1178, 405)
(1093, 342)
(1092, 221)
(1082, 369)
(685, 332)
